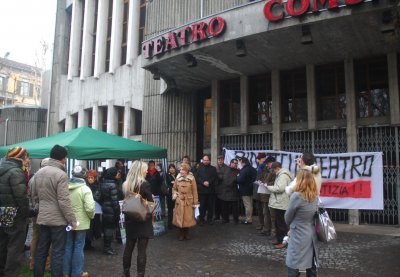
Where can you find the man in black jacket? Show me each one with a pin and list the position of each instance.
(206, 179)
(245, 180)
(13, 193)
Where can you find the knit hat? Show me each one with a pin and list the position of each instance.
(17, 152)
(79, 172)
(92, 173)
(270, 159)
(58, 152)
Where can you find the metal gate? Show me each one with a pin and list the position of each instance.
(383, 139)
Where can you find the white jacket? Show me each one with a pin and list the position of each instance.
(315, 170)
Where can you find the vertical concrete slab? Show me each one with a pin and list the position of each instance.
(215, 121)
(101, 38)
(244, 104)
(75, 42)
(116, 35)
(87, 43)
(393, 88)
(127, 119)
(311, 97)
(276, 110)
(133, 31)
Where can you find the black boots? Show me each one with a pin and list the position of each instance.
(181, 234)
(141, 266)
(186, 234)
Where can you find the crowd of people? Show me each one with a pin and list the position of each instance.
(68, 214)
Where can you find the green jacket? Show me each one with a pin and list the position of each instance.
(82, 202)
(13, 189)
(279, 199)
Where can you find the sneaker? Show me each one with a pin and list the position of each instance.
(246, 222)
(109, 252)
(280, 246)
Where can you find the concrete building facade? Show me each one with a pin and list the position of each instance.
(288, 75)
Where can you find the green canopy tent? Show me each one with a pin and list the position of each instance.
(85, 143)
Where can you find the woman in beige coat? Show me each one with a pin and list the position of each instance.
(184, 192)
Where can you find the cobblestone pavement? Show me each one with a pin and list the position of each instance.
(237, 250)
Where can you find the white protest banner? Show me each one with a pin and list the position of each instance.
(349, 180)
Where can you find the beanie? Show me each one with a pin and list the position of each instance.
(58, 152)
(16, 153)
(79, 172)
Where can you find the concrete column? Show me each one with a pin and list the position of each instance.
(311, 97)
(68, 122)
(87, 43)
(215, 120)
(81, 117)
(133, 31)
(393, 88)
(127, 120)
(276, 110)
(351, 130)
(116, 35)
(111, 118)
(96, 117)
(244, 104)
(101, 38)
(75, 42)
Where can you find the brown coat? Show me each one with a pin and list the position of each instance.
(185, 191)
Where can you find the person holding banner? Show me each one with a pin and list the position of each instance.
(279, 201)
(302, 253)
(186, 198)
(136, 231)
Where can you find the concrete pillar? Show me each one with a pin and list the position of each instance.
(276, 110)
(127, 120)
(393, 88)
(81, 117)
(133, 31)
(96, 117)
(116, 35)
(68, 122)
(244, 104)
(75, 42)
(311, 97)
(87, 43)
(111, 118)
(351, 130)
(101, 38)
(215, 120)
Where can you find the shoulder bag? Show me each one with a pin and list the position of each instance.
(323, 225)
(137, 208)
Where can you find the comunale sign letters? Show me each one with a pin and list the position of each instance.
(275, 10)
(174, 40)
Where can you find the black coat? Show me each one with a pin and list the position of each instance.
(246, 178)
(109, 202)
(155, 183)
(228, 188)
(169, 179)
(137, 229)
(206, 173)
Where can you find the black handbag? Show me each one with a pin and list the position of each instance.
(137, 208)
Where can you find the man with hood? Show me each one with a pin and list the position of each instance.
(83, 205)
(13, 197)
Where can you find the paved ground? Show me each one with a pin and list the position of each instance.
(237, 250)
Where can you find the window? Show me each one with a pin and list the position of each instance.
(120, 118)
(138, 122)
(74, 118)
(229, 108)
(330, 91)
(89, 117)
(25, 89)
(103, 118)
(142, 24)
(125, 32)
(372, 87)
(260, 99)
(294, 95)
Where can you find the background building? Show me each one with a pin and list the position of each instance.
(20, 84)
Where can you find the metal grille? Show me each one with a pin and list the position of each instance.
(259, 141)
(233, 142)
(385, 139)
(320, 142)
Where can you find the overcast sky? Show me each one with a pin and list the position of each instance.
(23, 25)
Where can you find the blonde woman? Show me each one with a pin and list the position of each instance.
(136, 231)
(302, 253)
(184, 192)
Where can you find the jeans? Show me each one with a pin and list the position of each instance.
(310, 272)
(74, 256)
(56, 236)
(12, 240)
(248, 207)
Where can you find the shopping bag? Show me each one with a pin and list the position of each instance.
(324, 226)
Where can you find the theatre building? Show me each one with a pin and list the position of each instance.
(197, 76)
(288, 75)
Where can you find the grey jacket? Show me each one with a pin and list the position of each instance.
(50, 188)
(303, 239)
